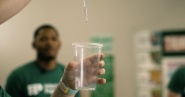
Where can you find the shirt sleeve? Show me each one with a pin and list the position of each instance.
(3, 93)
(177, 82)
(13, 85)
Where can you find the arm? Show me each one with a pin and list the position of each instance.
(173, 94)
(9, 8)
(69, 77)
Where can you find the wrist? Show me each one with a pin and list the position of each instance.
(66, 82)
(58, 93)
(66, 89)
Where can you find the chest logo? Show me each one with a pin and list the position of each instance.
(36, 88)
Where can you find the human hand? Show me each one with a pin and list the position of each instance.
(89, 62)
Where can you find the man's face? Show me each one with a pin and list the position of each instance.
(47, 43)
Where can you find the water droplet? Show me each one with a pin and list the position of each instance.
(85, 10)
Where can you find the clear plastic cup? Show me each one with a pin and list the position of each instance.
(87, 57)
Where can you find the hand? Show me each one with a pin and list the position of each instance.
(90, 61)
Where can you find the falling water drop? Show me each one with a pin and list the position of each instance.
(85, 10)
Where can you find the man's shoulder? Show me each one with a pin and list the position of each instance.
(60, 65)
(181, 69)
(23, 68)
(179, 73)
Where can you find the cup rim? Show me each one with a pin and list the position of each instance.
(86, 44)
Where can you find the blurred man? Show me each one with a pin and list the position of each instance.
(38, 78)
(177, 84)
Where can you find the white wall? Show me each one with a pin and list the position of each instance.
(119, 17)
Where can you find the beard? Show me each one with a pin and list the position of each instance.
(44, 57)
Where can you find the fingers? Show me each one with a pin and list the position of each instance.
(101, 81)
(101, 63)
(101, 71)
(70, 66)
(94, 57)
(102, 56)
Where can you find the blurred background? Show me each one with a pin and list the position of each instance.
(126, 28)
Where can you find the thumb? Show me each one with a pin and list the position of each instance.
(70, 66)
(69, 75)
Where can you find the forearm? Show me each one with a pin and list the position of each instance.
(9, 8)
(58, 93)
